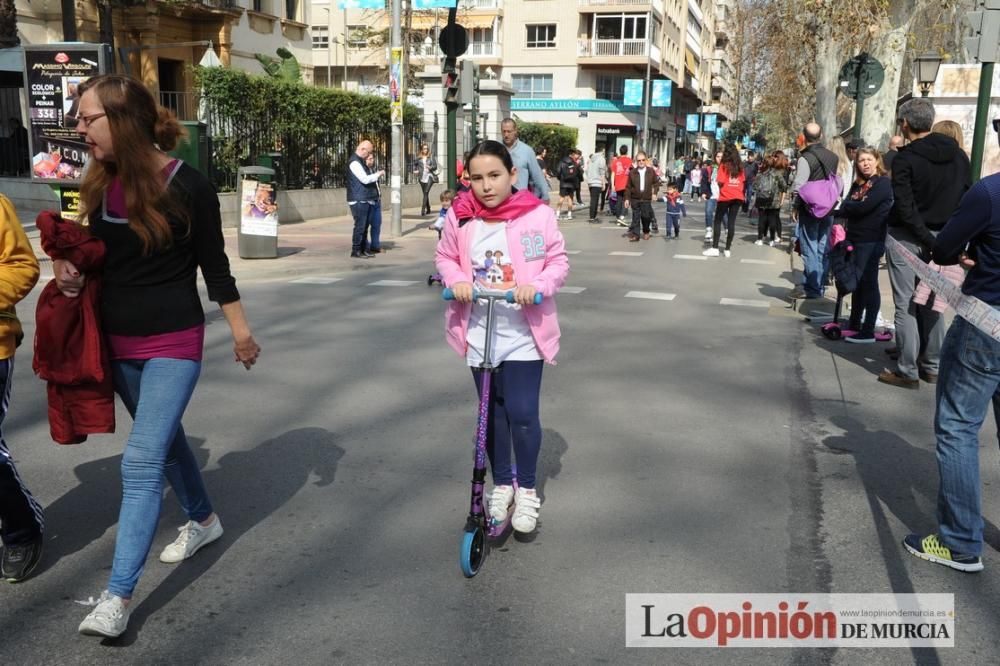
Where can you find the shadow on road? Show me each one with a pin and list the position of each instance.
(259, 482)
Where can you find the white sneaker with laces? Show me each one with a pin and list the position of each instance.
(727, 253)
(708, 234)
(711, 252)
(526, 507)
(758, 242)
(771, 243)
(193, 537)
(500, 500)
(109, 618)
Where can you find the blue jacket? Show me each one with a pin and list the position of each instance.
(356, 190)
(527, 170)
(976, 223)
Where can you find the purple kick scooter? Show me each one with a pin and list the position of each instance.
(478, 526)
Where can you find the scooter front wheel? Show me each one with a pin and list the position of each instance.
(473, 552)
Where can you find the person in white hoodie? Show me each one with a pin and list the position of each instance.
(596, 176)
(713, 198)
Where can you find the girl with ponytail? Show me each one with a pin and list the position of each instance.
(159, 220)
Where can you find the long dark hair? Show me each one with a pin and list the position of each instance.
(138, 127)
(494, 148)
(731, 160)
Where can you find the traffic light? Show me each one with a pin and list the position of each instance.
(451, 81)
(469, 85)
(984, 45)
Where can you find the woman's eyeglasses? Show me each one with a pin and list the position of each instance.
(89, 120)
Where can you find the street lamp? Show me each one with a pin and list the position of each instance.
(927, 71)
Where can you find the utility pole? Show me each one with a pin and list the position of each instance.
(646, 92)
(983, 46)
(396, 144)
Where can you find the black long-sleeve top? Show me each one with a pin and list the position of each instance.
(867, 210)
(158, 293)
(976, 223)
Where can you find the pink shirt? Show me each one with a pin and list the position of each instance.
(538, 255)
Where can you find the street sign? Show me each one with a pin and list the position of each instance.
(710, 123)
(861, 76)
(454, 40)
(693, 122)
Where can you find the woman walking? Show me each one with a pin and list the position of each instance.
(866, 209)
(770, 187)
(159, 220)
(426, 168)
(731, 180)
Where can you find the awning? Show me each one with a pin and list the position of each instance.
(690, 63)
(429, 21)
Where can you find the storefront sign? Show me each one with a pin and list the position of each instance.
(693, 122)
(52, 74)
(662, 92)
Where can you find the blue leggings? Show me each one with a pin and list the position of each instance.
(514, 390)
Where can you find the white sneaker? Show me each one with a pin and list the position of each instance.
(500, 500)
(708, 234)
(711, 252)
(758, 242)
(771, 243)
(193, 537)
(727, 253)
(525, 510)
(108, 619)
(569, 216)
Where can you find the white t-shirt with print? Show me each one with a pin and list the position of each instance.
(492, 269)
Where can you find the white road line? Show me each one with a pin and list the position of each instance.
(692, 257)
(745, 302)
(572, 290)
(757, 261)
(573, 251)
(624, 254)
(316, 280)
(392, 283)
(652, 295)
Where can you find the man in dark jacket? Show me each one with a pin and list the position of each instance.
(929, 177)
(639, 197)
(969, 382)
(815, 163)
(569, 180)
(750, 168)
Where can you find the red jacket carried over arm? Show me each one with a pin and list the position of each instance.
(69, 346)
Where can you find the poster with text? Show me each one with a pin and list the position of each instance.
(53, 74)
(258, 208)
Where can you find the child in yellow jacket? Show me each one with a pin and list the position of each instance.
(21, 519)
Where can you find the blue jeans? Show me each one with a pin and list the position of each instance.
(362, 213)
(967, 383)
(513, 421)
(155, 392)
(866, 299)
(710, 212)
(814, 242)
(376, 229)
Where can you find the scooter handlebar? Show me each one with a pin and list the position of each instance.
(448, 295)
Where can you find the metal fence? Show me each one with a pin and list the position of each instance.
(302, 160)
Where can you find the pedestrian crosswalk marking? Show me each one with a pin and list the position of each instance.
(692, 257)
(745, 302)
(317, 280)
(757, 261)
(572, 290)
(573, 251)
(652, 295)
(624, 254)
(392, 283)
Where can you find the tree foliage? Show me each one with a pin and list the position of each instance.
(557, 139)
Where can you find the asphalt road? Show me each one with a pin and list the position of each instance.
(689, 446)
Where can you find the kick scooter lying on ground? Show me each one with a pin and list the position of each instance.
(478, 526)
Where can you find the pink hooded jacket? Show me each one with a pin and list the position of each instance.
(538, 253)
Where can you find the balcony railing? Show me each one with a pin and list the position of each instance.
(475, 50)
(480, 4)
(614, 2)
(613, 47)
